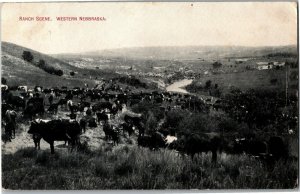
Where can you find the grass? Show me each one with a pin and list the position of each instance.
(130, 167)
(244, 81)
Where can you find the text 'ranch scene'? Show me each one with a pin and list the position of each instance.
(149, 95)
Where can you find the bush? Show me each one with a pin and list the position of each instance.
(72, 73)
(27, 56)
(216, 64)
(174, 117)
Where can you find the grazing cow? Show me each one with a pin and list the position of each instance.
(153, 141)
(195, 143)
(56, 130)
(251, 146)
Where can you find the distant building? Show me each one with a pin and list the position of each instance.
(264, 65)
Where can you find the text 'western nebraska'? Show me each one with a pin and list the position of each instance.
(81, 18)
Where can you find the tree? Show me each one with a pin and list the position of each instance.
(27, 56)
(216, 64)
(72, 73)
(59, 72)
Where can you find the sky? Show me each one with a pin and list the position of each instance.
(143, 24)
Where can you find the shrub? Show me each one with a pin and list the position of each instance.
(216, 64)
(27, 56)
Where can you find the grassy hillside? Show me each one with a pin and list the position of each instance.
(247, 80)
(19, 72)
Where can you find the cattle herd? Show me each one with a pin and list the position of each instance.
(100, 105)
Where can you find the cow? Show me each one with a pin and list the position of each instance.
(101, 106)
(34, 106)
(153, 141)
(53, 108)
(111, 132)
(194, 143)
(16, 101)
(10, 127)
(92, 122)
(56, 130)
(82, 124)
(36, 139)
(169, 140)
(136, 121)
(251, 146)
(127, 127)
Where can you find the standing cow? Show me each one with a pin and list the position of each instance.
(56, 130)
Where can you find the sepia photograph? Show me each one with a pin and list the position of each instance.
(149, 96)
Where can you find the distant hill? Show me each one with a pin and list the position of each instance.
(17, 51)
(20, 72)
(191, 52)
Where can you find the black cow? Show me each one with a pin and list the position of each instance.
(101, 106)
(111, 132)
(82, 124)
(37, 139)
(153, 141)
(101, 116)
(33, 108)
(136, 121)
(56, 130)
(251, 146)
(53, 108)
(127, 127)
(196, 143)
(16, 101)
(92, 122)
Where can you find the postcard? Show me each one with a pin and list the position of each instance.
(149, 96)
